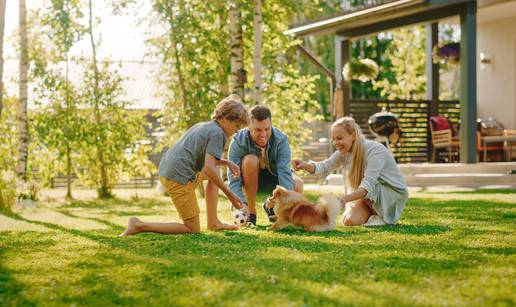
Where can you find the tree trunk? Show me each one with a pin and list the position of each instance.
(68, 173)
(22, 110)
(68, 149)
(177, 58)
(257, 56)
(238, 74)
(104, 190)
(2, 26)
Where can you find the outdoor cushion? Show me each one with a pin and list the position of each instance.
(440, 123)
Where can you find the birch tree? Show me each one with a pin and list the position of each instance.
(257, 54)
(238, 74)
(2, 27)
(23, 137)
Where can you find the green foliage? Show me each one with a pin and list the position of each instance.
(8, 153)
(406, 52)
(363, 70)
(196, 56)
(109, 127)
(55, 120)
(444, 251)
(7, 189)
(8, 134)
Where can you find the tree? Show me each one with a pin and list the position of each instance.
(23, 137)
(111, 129)
(2, 24)
(196, 61)
(57, 123)
(238, 74)
(407, 55)
(204, 34)
(257, 54)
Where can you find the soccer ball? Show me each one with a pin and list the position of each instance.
(240, 217)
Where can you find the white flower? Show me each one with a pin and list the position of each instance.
(8, 175)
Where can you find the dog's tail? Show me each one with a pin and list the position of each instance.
(332, 205)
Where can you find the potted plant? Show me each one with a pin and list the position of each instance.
(362, 69)
(446, 52)
(27, 194)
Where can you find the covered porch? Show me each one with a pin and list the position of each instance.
(413, 115)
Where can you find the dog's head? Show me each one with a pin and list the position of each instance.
(282, 196)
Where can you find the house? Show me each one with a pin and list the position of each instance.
(487, 60)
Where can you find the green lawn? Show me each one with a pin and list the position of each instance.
(448, 249)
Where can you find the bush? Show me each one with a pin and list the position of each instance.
(7, 190)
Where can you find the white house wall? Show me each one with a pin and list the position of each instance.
(496, 82)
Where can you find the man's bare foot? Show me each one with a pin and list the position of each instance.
(131, 227)
(221, 226)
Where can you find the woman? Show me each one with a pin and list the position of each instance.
(378, 191)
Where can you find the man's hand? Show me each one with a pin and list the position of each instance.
(233, 168)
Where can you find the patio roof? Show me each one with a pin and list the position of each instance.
(380, 16)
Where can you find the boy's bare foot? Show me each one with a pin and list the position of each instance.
(221, 226)
(131, 227)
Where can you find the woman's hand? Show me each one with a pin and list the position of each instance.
(298, 165)
(344, 200)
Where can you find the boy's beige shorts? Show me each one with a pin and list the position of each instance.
(183, 196)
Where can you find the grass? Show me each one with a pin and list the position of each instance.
(446, 251)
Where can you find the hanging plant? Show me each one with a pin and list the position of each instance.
(446, 53)
(362, 70)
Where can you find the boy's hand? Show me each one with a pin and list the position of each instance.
(233, 168)
(237, 203)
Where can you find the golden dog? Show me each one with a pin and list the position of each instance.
(293, 208)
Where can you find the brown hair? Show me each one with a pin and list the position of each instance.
(357, 167)
(260, 113)
(231, 108)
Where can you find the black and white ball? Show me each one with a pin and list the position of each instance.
(240, 217)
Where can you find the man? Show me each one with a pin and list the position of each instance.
(263, 154)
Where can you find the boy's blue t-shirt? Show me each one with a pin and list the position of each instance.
(185, 159)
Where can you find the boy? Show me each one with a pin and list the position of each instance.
(195, 157)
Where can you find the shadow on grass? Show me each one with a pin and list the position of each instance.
(412, 229)
(471, 210)
(106, 203)
(276, 265)
(478, 191)
(11, 291)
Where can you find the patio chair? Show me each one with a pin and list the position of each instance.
(443, 139)
(481, 146)
(509, 147)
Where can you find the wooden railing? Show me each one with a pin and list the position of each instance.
(413, 118)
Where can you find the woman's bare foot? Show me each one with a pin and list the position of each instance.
(221, 226)
(131, 227)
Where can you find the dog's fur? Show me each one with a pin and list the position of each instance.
(293, 208)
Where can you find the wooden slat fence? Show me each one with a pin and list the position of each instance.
(413, 118)
(138, 182)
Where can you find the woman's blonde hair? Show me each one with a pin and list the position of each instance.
(357, 166)
(231, 108)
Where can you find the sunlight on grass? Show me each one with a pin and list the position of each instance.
(458, 251)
